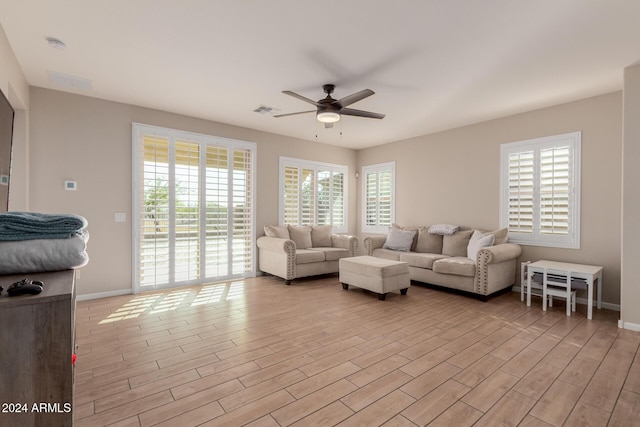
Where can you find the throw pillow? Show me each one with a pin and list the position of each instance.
(444, 229)
(478, 241)
(301, 236)
(399, 240)
(500, 236)
(279, 231)
(415, 236)
(428, 243)
(321, 236)
(456, 244)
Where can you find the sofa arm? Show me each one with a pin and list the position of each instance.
(499, 253)
(345, 241)
(277, 256)
(276, 244)
(496, 268)
(373, 242)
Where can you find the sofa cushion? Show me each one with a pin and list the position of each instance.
(386, 254)
(306, 256)
(399, 240)
(279, 231)
(332, 254)
(456, 244)
(461, 266)
(301, 236)
(428, 243)
(321, 236)
(478, 241)
(420, 260)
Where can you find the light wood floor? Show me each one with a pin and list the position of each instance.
(256, 352)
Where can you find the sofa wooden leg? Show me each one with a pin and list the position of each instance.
(287, 282)
(345, 286)
(382, 297)
(404, 291)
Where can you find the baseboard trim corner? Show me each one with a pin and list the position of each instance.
(627, 325)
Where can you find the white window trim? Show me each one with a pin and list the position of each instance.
(376, 168)
(140, 129)
(310, 164)
(570, 241)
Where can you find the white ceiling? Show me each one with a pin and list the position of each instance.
(434, 64)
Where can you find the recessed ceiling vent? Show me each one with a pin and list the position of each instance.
(68, 82)
(269, 111)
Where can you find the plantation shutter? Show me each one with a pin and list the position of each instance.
(154, 208)
(312, 193)
(554, 190)
(194, 216)
(243, 220)
(337, 195)
(521, 188)
(378, 197)
(540, 193)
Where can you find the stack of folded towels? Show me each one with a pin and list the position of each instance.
(33, 242)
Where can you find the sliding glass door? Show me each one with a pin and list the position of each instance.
(193, 208)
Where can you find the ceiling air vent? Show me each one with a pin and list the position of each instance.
(69, 82)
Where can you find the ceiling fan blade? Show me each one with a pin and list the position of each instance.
(300, 97)
(294, 114)
(355, 97)
(360, 113)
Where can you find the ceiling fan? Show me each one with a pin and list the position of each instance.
(329, 110)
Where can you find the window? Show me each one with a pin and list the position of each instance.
(313, 193)
(193, 208)
(540, 191)
(378, 197)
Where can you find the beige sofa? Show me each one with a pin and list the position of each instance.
(444, 260)
(292, 252)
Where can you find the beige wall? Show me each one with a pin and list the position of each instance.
(89, 141)
(630, 288)
(453, 177)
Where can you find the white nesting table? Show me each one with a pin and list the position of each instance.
(590, 273)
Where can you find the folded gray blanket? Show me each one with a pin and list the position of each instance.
(35, 225)
(33, 256)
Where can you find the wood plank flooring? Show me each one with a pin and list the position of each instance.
(256, 352)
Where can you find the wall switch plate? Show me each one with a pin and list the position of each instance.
(70, 185)
(121, 217)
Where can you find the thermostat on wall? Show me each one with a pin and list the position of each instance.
(70, 185)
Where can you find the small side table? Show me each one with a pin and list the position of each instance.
(590, 273)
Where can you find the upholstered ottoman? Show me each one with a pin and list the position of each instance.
(375, 274)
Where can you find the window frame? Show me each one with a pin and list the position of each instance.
(173, 136)
(377, 168)
(285, 162)
(536, 145)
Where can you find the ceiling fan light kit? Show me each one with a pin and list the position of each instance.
(330, 110)
(327, 116)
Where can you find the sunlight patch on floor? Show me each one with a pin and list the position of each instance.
(172, 299)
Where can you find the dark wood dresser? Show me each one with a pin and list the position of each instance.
(37, 338)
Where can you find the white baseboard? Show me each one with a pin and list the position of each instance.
(87, 297)
(583, 301)
(630, 326)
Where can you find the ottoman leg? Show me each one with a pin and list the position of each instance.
(404, 291)
(382, 297)
(345, 286)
